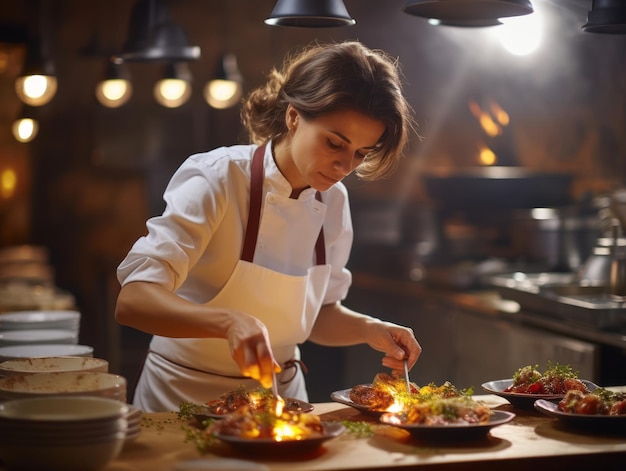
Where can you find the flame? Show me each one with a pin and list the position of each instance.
(284, 431)
(279, 406)
(493, 120)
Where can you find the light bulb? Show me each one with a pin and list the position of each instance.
(171, 92)
(222, 94)
(25, 129)
(113, 93)
(36, 90)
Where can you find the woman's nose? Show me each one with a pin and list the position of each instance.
(344, 163)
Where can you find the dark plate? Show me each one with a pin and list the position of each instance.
(202, 412)
(343, 397)
(265, 446)
(588, 423)
(524, 401)
(451, 431)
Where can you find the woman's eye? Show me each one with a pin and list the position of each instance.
(361, 155)
(333, 145)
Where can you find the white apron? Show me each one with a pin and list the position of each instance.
(197, 369)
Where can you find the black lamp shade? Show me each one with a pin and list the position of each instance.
(153, 36)
(606, 16)
(468, 12)
(310, 14)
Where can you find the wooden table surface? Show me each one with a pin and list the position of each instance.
(530, 439)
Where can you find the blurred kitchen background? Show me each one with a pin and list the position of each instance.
(494, 240)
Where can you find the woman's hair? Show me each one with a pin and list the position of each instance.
(325, 78)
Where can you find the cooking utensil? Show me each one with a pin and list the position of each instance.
(406, 375)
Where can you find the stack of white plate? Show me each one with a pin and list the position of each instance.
(62, 433)
(44, 350)
(39, 327)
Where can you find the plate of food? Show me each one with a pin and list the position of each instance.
(529, 384)
(389, 394)
(259, 400)
(260, 433)
(599, 411)
(463, 419)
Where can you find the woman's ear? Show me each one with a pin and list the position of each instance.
(291, 118)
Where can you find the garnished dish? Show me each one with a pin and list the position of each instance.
(265, 432)
(529, 384)
(437, 418)
(257, 400)
(389, 394)
(599, 411)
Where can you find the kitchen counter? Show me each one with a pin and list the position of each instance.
(530, 439)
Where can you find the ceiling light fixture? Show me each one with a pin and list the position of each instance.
(310, 14)
(153, 36)
(174, 89)
(225, 89)
(115, 89)
(606, 16)
(36, 85)
(467, 12)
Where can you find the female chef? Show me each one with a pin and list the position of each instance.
(248, 259)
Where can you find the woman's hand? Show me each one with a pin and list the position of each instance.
(397, 343)
(250, 347)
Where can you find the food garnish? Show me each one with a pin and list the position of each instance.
(459, 410)
(557, 379)
(599, 402)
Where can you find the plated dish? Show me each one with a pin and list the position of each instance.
(523, 400)
(451, 432)
(586, 422)
(264, 446)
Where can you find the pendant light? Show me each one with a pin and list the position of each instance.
(225, 89)
(25, 127)
(36, 85)
(310, 14)
(468, 12)
(153, 36)
(174, 89)
(115, 89)
(606, 16)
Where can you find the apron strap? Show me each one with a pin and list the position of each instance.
(254, 214)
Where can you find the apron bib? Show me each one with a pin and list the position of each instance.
(197, 369)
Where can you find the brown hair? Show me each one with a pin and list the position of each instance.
(325, 78)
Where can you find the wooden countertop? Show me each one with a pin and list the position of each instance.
(530, 439)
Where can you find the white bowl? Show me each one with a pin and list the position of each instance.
(70, 383)
(61, 433)
(22, 366)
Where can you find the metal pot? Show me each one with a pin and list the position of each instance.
(561, 238)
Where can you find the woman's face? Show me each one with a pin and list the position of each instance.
(322, 151)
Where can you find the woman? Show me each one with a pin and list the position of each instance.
(249, 258)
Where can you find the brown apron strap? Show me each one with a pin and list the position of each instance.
(254, 214)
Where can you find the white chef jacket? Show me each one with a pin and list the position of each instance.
(193, 247)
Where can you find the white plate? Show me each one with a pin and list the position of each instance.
(39, 320)
(38, 336)
(50, 350)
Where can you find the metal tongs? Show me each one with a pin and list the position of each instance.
(406, 376)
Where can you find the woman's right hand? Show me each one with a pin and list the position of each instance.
(250, 347)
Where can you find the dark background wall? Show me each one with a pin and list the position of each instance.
(93, 175)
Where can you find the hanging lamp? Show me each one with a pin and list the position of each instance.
(310, 14)
(25, 127)
(606, 16)
(225, 88)
(468, 12)
(174, 89)
(153, 36)
(115, 89)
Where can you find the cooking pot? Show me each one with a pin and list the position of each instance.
(561, 238)
(497, 187)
